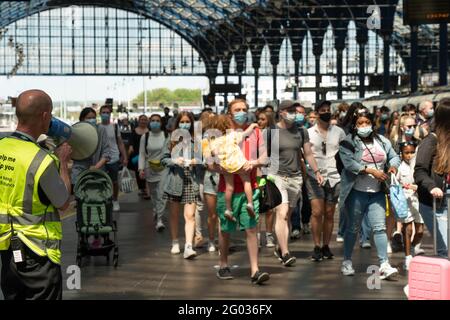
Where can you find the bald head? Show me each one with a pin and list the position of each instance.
(425, 105)
(31, 105)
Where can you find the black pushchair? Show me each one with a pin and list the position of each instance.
(93, 193)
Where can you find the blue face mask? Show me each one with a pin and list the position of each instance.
(364, 132)
(186, 126)
(299, 118)
(384, 117)
(154, 125)
(240, 117)
(105, 117)
(430, 114)
(92, 121)
(409, 132)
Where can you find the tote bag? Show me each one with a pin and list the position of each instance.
(398, 199)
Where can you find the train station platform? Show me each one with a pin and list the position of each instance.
(147, 270)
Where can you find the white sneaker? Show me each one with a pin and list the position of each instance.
(417, 250)
(189, 253)
(389, 248)
(175, 248)
(160, 225)
(339, 239)
(407, 262)
(387, 272)
(211, 247)
(406, 290)
(270, 240)
(116, 206)
(347, 268)
(295, 234)
(366, 245)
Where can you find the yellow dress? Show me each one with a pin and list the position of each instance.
(229, 154)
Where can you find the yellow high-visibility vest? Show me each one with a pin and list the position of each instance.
(38, 225)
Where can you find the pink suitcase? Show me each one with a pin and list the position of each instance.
(429, 277)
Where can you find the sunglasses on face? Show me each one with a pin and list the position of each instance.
(324, 148)
(411, 126)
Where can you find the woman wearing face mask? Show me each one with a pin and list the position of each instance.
(181, 183)
(383, 122)
(151, 147)
(404, 133)
(312, 119)
(133, 153)
(266, 122)
(365, 155)
(342, 111)
(101, 156)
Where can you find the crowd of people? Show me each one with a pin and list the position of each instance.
(321, 162)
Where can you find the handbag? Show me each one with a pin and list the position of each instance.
(127, 183)
(384, 185)
(270, 196)
(399, 203)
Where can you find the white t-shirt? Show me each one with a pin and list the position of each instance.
(367, 182)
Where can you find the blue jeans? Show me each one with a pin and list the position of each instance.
(365, 226)
(441, 217)
(373, 205)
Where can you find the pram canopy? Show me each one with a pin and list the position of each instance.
(93, 186)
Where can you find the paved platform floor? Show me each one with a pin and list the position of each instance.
(147, 270)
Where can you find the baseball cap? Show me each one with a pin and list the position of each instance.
(321, 104)
(286, 104)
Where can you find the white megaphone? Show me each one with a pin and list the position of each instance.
(82, 137)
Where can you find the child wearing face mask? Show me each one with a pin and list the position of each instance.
(227, 151)
(405, 176)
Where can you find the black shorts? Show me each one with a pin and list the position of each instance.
(112, 169)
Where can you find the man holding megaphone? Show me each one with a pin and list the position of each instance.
(30, 196)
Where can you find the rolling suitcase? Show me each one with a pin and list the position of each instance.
(429, 277)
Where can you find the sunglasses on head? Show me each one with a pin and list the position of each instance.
(407, 143)
(361, 112)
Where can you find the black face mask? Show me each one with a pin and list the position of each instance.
(325, 117)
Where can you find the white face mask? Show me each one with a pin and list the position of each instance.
(289, 117)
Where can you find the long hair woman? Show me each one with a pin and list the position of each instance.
(133, 153)
(432, 174)
(181, 185)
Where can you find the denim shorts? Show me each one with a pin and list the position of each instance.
(211, 183)
(326, 192)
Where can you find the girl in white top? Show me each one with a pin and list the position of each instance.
(405, 176)
(150, 152)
